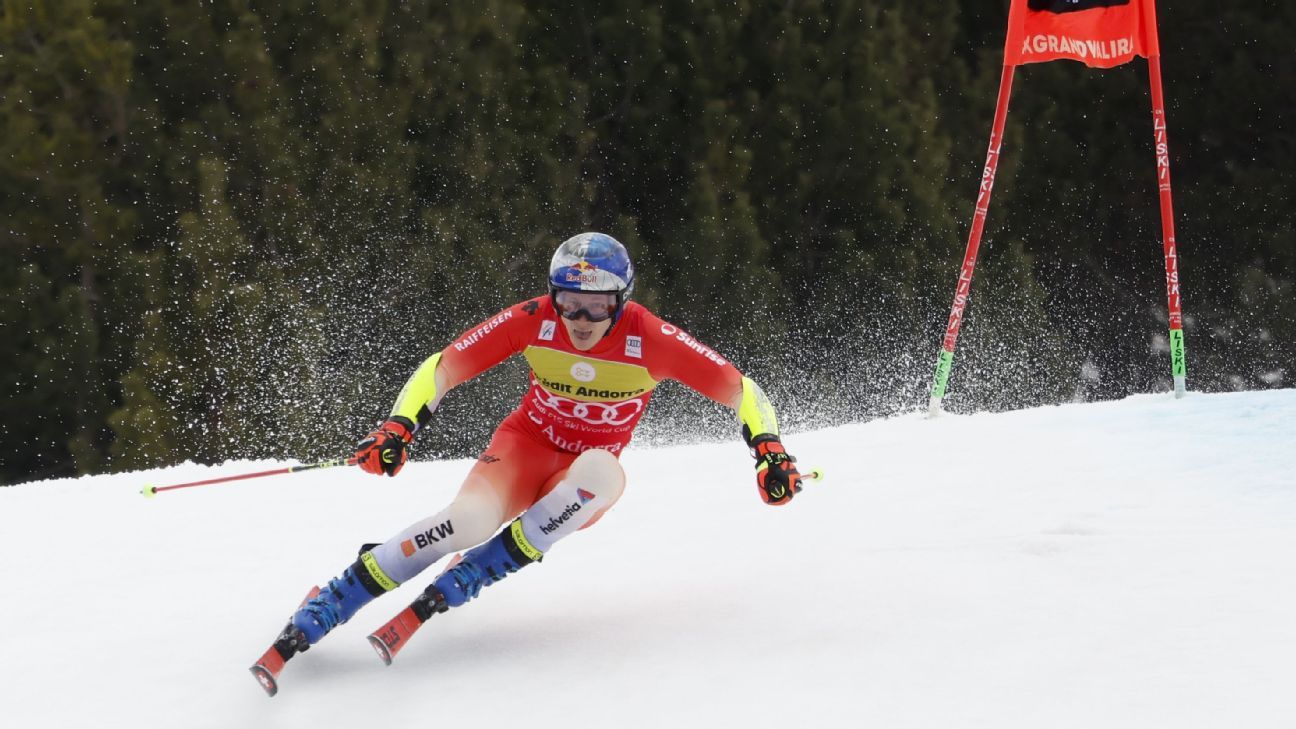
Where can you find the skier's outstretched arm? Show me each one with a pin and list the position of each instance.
(694, 364)
(776, 472)
(474, 352)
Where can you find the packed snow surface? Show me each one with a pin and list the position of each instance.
(1118, 564)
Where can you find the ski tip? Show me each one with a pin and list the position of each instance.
(310, 595)
(381, 649)
(266, 679)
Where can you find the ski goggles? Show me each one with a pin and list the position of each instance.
(594, 306)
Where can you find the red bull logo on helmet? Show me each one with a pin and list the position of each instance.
(587, 276)
(583, 272)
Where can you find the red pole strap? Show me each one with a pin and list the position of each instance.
(150, 490)
(946, 360)
(1178, 361)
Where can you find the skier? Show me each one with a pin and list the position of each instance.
(552, 465)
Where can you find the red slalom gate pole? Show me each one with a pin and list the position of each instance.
(945, 361)
(1178, 361)
(149, 491)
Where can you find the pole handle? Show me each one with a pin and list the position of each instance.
(815, 475)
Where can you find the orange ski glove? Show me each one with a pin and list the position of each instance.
(777, 477)
(383, 451)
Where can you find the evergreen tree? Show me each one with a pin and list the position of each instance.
(68, 225)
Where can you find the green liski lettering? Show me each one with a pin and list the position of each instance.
(1178, 358)
(944, 363)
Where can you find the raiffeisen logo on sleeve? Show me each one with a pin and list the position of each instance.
(477, 334)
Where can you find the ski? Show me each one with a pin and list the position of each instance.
(271, 663)
(388, 640)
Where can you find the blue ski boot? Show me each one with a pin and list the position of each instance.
(486, 564)
(342, 597)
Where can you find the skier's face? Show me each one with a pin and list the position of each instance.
(584, 334)
(586, 314)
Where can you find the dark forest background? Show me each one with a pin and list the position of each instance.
(232, 229)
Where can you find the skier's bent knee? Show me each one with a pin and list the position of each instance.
(599, 472)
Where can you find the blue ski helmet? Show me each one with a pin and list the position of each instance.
(592, 262)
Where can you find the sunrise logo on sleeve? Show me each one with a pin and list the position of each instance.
(1097, 33)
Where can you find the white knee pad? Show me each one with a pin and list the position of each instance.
(468, 521)
(593, 483)
(599, 472)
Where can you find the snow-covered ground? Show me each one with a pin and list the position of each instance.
(1122, 564)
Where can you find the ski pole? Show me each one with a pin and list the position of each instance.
(149, 490)
(815, 474)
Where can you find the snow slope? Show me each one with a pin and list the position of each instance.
(1121, 564)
